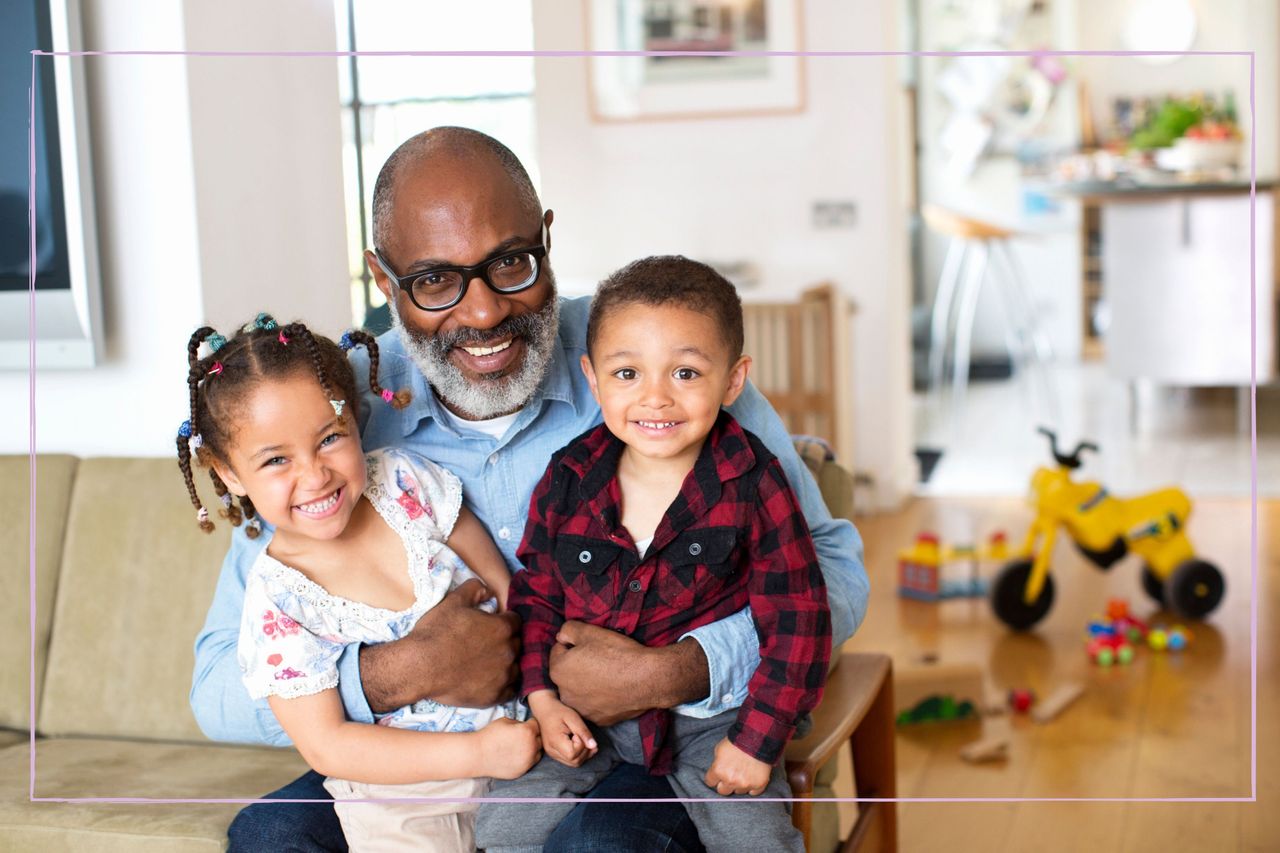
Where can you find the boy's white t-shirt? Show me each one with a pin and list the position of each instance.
(643, 545)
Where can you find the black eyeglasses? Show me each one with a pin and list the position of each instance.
(443, 287)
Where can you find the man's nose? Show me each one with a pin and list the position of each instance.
(481, 307)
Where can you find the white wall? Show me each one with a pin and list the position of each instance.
(218, 181)
(741, 189)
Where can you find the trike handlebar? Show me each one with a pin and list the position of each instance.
(1066, 460)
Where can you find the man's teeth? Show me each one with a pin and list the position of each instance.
(486, 350)
(320, 506)
(656, 424)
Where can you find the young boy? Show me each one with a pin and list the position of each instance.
(666, 517)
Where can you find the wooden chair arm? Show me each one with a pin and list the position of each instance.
(851, 688)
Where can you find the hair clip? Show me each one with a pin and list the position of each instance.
(184, 429)
(262, 321)
(226, 499)
(197, 441)
(216, 369)
(337, 406)
(202, 515)
(254, 525)
(346, 342)
(215, 342)
(388, 395)
(282, 339)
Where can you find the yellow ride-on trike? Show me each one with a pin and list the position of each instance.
(1104, 528)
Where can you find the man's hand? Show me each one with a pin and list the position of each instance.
(456, 654)
(565, 737)
(735, 772)
(608, 678)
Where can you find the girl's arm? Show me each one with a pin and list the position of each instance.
(360, 752)
(470, 541)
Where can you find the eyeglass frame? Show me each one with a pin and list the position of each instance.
(480, 271)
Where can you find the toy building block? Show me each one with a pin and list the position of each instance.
(993, 748)
(1021, 700)
(918, 568)
(1057, 702)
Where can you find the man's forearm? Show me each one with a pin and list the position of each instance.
(381, 676)
(678, 674)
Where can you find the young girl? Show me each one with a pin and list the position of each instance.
(362, 546)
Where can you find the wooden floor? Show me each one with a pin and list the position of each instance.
(1165, 726)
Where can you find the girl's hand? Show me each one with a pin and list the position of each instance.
(566, 738)
(508, 749)
(735, 772)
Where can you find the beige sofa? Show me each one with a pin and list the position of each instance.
(123, 579)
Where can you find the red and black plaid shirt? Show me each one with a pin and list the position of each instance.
(734, 536)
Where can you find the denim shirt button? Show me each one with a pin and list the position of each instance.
(695, 549)
(584, 557)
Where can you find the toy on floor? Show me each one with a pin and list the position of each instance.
(1106, 649)
(1174, 639)
(937, 692)
(1021, 700)
(921, 567)
(1057, 702)
(1105, 528)
(1113, 639)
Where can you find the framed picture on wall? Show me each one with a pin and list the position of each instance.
(697, 85)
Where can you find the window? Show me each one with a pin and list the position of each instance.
(387, 99)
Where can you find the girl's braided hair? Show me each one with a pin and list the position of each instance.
(220, 382)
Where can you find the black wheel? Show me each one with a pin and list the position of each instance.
(1152, 585)
(1007, 601)
(1108, 558)
(1194, 589)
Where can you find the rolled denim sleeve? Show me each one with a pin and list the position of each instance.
(731, 645)
(219, 700)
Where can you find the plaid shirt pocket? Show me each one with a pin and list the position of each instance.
(585, 563)
(700, 561)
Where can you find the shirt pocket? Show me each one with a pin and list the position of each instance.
(700, 563)
(588, 567)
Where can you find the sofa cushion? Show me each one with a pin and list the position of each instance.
(137, 578)
(72, 768)
(54, 478)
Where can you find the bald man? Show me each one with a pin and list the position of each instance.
(491, 359)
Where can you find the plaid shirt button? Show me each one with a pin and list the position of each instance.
(584, 557)
(695, 549)
(635, 586)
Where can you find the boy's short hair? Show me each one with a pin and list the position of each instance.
(670, 280)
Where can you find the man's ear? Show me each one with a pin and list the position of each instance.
(590, 372)
(546, 220)
(379, 277)
(229, 477)
(737, 379)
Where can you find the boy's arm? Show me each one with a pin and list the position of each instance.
(731, 645)
(536, 594)
(793, 623)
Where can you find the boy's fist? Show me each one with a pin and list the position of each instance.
(566, 738)
(735, 772)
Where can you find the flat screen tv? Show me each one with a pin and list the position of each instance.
(66, 293)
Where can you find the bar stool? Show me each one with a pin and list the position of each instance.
(976, 249)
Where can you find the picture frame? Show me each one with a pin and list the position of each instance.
(637, 87)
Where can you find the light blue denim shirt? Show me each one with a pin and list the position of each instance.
(498, 477)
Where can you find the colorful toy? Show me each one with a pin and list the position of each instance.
(920, 568)
(1174, 639)
(1105, 528)
(1106, 649)
(937, 691)
(1021, 700)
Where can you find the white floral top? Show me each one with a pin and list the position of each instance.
(293, 631)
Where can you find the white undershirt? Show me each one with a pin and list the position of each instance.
(643, 545)
(493, 427)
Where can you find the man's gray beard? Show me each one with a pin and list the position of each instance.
(495, 394)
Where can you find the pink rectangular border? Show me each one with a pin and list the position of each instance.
(1253, 404)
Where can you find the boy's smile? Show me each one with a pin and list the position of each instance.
(660, 374)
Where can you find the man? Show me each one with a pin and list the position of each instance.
(461, 251)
